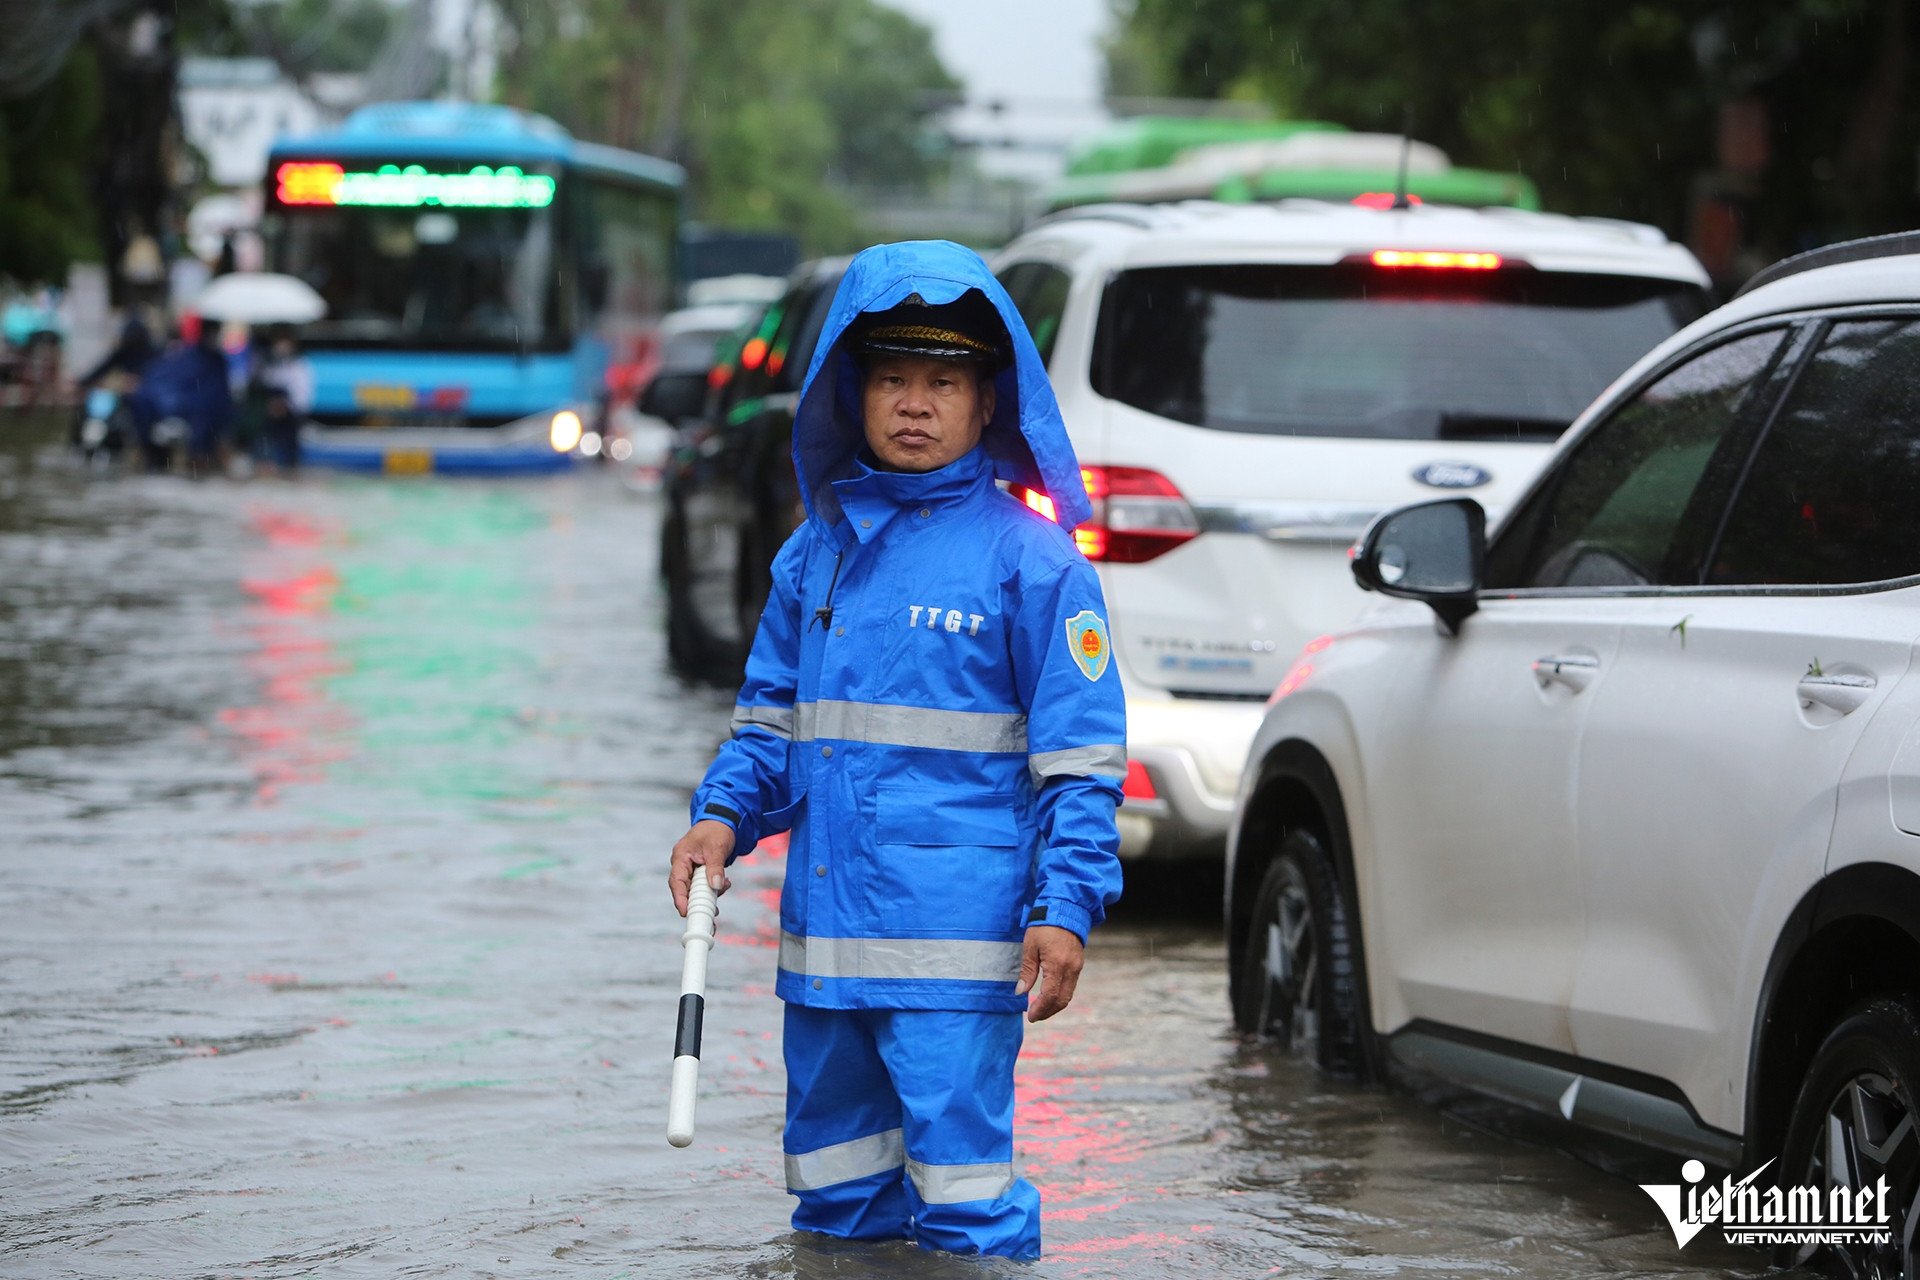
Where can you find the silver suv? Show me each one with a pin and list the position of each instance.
(1616, 813)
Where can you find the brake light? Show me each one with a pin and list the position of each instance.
(1139, 783)
(1434, 259)
(1138, 514)
(1382, 199)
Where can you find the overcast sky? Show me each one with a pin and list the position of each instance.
(1018, 48)
(1041, 57)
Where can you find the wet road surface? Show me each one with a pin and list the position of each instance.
(334, 941)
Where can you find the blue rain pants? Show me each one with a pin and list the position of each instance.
(900, 1127)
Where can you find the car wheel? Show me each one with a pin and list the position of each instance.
(753, 575)
(687, 644)
(1299, 978)
(1855, 1122)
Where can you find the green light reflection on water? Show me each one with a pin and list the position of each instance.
(438, 615)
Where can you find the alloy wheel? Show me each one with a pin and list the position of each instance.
(1868, 1132)
(1291, 966)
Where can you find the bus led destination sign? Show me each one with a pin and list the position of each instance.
(319, 182)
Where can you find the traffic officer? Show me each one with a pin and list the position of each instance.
(930, 707)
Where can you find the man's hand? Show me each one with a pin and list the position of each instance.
(1052, 956)
(707, 845)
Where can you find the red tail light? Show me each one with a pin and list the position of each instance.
(1435, 259)
(1138, 515)
(1139, 783)
(1382, 200)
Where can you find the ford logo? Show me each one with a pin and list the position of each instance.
(1452, 475)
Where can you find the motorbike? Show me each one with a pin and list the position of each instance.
(103, 426)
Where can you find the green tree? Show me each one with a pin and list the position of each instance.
(1796, 114)
(46, 213)
(764, 101)
(305, 36)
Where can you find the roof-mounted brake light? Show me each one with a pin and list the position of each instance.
(1436, 259)
(1384, 200)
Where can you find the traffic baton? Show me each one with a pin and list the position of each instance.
(698, 940)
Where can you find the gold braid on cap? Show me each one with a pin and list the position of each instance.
(927, 333)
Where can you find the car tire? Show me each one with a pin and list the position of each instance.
(1860, 1101)
(753, 575)
(688, 645)
(1299, 977)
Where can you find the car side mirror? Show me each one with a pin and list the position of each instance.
(674, 397)
(1432, 551)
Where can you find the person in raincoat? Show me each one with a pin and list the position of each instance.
(188, 383)
(929, 706)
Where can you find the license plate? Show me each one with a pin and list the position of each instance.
(407, 462)
(376, 395)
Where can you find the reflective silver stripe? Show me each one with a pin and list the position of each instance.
(777, 719)
(898, 726)
(1103, 760)
(845, 1161)
(955, 959)
(958, 1183)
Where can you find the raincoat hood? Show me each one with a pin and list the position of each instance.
(1026, 439)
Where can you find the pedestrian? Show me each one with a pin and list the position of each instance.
(132, 352)
(930, 707)
(187, 389)
(281, 384)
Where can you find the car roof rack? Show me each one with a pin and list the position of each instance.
(1834, 254)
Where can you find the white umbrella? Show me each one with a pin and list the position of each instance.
(259, 297)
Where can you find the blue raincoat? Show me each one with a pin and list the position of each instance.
(930, 706)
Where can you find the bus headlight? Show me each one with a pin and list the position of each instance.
(565, 432)
(590, 444)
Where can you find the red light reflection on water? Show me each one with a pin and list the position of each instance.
(294, 732)
(1138, 1240)
(766, 930)
(1068, 1145)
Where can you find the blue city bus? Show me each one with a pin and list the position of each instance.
(487, 277)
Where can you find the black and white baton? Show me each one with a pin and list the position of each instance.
(698, 940)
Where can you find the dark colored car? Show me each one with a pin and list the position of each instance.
(730, 495)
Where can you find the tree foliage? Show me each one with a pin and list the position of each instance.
(46, 213)
(770, 104)
(305, 36)
(1615, 107)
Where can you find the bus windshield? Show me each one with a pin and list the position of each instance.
(470, 278)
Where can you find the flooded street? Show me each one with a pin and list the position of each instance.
(334, 941)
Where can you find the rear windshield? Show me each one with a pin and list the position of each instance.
(1374, 353)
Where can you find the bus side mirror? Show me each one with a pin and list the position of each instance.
(1432, 551)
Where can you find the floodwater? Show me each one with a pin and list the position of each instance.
(334, 941)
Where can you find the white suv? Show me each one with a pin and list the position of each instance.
(1618, 813)
(1248, 385)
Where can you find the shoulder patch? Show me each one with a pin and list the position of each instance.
(1087, 640)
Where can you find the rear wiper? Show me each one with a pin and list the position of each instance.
(1499, 426)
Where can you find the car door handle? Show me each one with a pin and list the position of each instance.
(1574, 670)
(1841, 693)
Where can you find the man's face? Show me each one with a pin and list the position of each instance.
(922, 414)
